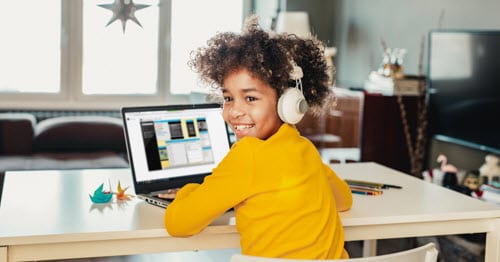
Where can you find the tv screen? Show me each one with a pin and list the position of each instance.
(464, 87)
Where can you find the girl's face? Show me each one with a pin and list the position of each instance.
(250, 106)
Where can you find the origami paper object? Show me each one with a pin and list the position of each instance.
(100, 196)
(120, 193)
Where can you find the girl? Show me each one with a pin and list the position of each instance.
(286, 201)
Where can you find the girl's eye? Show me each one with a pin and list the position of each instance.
(228, 99)
(250, 98)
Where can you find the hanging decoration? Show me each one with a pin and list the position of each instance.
(123, 10)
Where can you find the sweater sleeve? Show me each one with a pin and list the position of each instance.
(341, 190)
(196, 206)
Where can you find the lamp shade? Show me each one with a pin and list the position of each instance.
(294, 23)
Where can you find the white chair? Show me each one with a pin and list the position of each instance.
(426, 253)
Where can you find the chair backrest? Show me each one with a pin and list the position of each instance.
(426, 253)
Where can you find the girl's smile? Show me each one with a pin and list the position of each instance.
(250, 106)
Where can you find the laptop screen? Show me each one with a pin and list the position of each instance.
(170, 146)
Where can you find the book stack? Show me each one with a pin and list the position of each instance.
(388, 86)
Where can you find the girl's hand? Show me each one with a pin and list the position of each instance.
(170, 194)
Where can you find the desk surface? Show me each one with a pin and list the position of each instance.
(38, 203)
(418, 201)
(51, 207)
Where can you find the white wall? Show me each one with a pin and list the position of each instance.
(360, 24)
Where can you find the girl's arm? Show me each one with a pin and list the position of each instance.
(197, 205)
(341, 190)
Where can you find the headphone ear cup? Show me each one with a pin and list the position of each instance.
(292, 106)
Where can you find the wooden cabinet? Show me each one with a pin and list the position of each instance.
(339, 127)
(383, 138)
(368, 123)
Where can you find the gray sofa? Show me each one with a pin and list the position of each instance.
(67, 142)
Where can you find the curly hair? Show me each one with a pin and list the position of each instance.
(268, 57)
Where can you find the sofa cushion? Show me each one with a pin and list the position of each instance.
(16, 133)
(57, 161)
(79, 134)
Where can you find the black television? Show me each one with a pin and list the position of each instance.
(464, 88)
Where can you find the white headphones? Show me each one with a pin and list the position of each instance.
(292, 104)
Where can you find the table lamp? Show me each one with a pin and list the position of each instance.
(294, 23)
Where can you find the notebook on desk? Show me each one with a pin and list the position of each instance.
(170, 146)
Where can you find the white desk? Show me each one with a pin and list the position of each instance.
(419, 209)
(48, 215)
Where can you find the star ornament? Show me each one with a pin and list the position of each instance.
(123, 10)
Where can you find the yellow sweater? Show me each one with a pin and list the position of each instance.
(285, 199)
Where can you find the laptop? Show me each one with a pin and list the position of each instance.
(170, 146)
